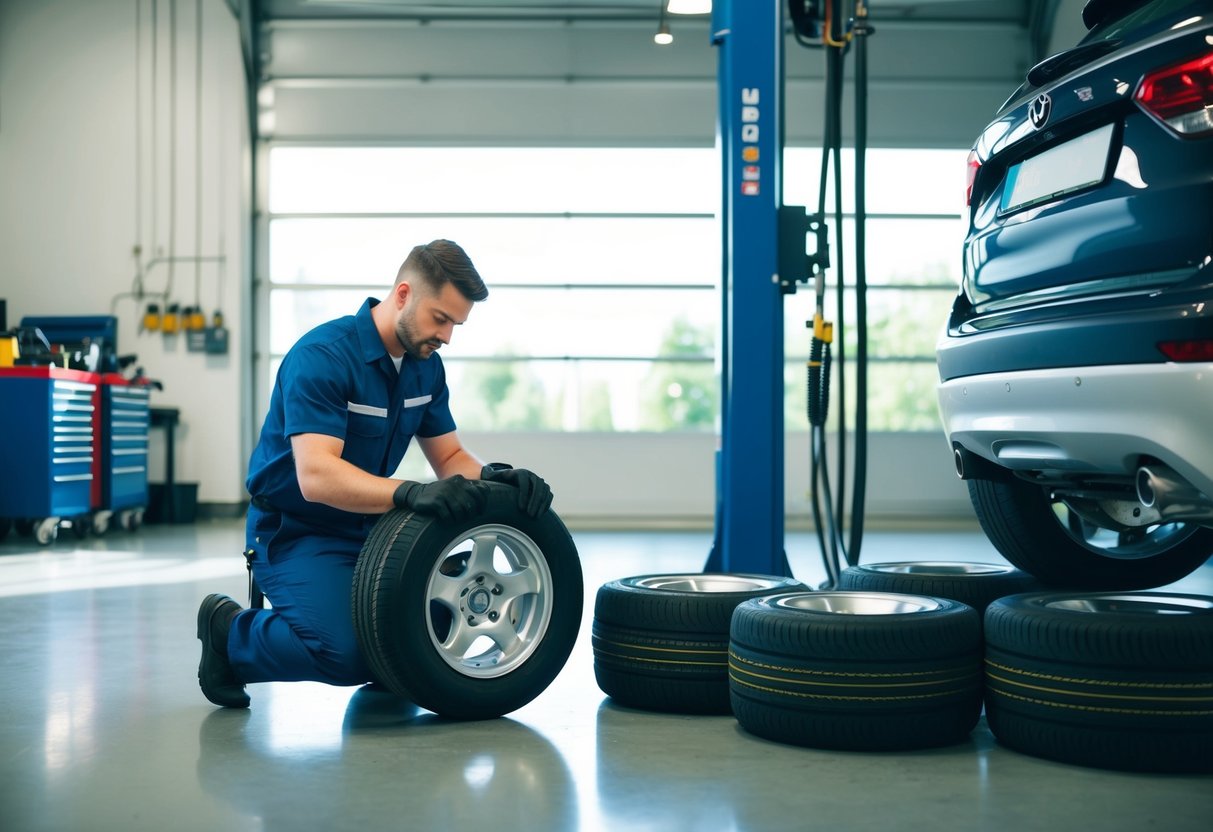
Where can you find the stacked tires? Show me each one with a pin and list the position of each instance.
(852, 670)
(975, 584)
(902, 657)
(1112, 680)
(856, 670)
(661, 642)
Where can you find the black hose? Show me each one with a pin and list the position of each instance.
(837, 78)
(830, 522)
(819, 386)
(858, 497)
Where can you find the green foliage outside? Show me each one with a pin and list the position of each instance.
(504, 395)
(682, 395)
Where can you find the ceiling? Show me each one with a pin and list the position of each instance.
(926, 11)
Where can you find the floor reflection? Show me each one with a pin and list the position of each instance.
(301, 773)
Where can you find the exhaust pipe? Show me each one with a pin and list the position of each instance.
(971, 466)
(1174, 498)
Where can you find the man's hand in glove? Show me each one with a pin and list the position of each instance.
(454, 498)
(534, 495)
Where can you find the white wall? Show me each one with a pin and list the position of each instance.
(606, 479)
(76, 172)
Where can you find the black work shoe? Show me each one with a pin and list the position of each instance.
(215, 675)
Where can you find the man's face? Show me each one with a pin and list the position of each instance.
(427, 320)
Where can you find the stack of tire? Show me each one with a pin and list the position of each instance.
(900, 657)
(661, 642)
(1120, 680)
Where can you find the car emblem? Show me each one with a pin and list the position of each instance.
(1038, 111)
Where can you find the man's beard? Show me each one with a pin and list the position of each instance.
(413, 345)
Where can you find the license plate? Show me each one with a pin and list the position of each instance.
(1077, 164)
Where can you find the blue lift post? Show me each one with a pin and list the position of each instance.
(749, 534)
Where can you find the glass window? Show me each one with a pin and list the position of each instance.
(506, 250)
(603, 266)
(346, 180)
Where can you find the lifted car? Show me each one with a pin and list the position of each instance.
(1076, 367)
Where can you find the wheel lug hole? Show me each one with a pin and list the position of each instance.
(493, 615)
(497, 589)
(480, 579)
(471, 619)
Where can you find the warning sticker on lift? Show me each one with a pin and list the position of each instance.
(749, 141)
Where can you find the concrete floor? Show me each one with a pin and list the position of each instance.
(104, 727)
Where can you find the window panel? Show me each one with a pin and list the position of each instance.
(583, 395)
(546, 250)
(335, 180)
(899, 180)
(552, 349)
(539, 323)
(901, 396)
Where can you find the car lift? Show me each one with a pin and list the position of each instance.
(763, 248)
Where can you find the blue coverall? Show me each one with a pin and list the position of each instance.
(337, 380)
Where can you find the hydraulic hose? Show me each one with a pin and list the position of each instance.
(837, 54)
(858, 498)
(830, 512)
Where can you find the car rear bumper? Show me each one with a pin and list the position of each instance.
(1097, 331)
(1094, 419)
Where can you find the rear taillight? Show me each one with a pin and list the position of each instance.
(1191, 350)
(1181, 96)
(972, 164)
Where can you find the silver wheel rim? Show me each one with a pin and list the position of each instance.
(1133, 544)
(1136, 604)
(939, 569)
(489, 601)
(857, 603)
(709, 583)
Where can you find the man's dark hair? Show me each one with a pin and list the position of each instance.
(442, 262)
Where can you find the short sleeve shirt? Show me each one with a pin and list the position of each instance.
(338, 380)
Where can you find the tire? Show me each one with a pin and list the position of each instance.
(661, 642)
(5, 525)
(472, 619)
(1044, 537)
(975, 584)
(1121, 681)
(856, 671)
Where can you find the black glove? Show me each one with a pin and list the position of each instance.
(534, 495)
(454, 498)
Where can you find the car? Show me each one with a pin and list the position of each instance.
(1076, 364)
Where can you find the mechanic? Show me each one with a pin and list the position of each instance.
(349, 397)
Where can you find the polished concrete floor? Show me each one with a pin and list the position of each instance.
(104, 728)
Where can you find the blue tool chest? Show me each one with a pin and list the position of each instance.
(126, 420)
(49, 425)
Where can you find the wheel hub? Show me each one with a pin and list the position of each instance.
(479, 601)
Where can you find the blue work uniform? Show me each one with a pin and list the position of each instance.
(338, 380)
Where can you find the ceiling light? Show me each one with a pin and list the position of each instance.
(663, 36)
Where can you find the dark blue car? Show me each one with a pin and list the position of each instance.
(1076, 369)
